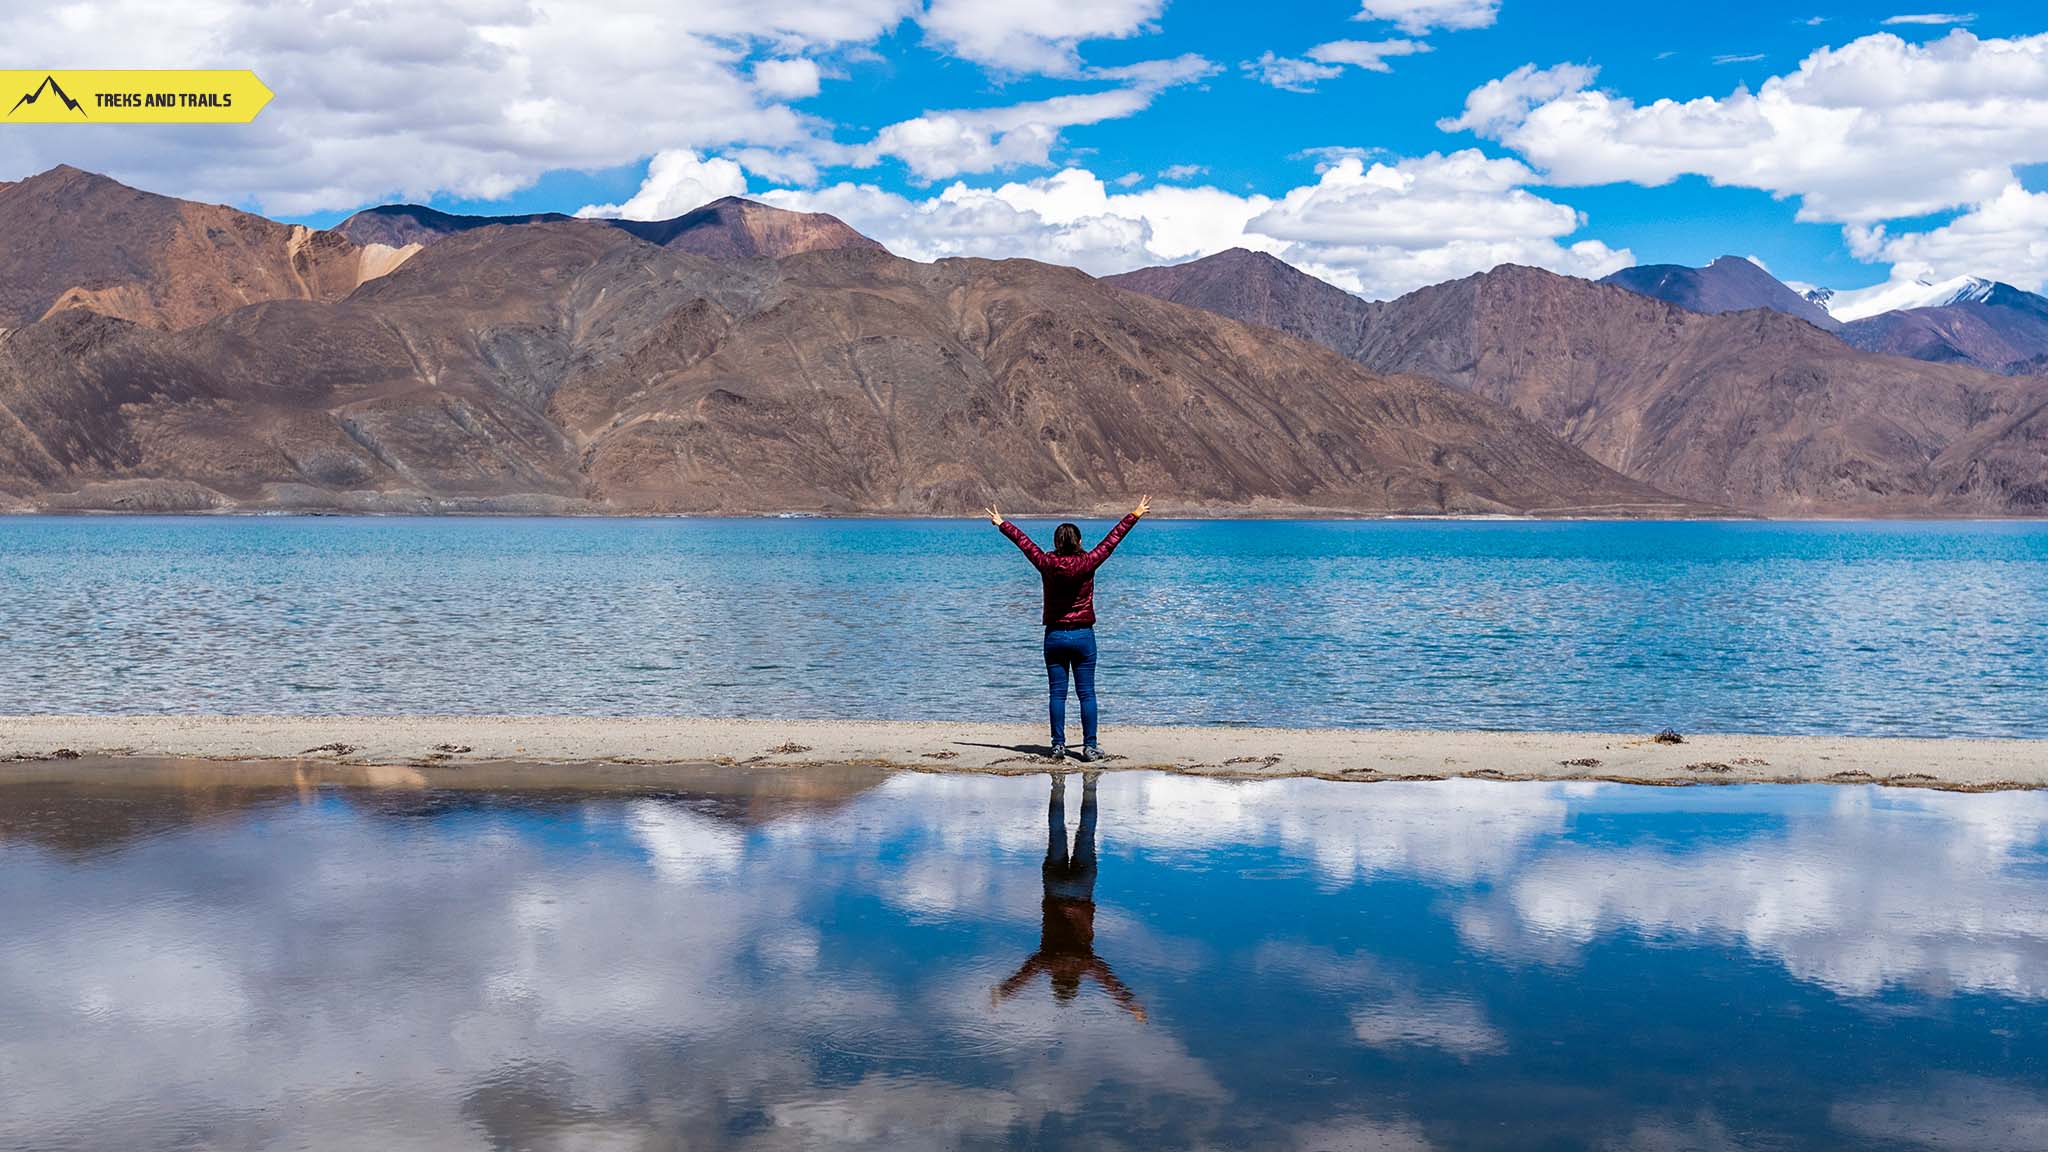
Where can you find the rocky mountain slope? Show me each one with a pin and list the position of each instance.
(569, 366)
(1755, 410)
(73, 239)
(1729, 284)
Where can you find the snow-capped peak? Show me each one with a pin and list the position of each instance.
(1894, 295)
(1978, 291)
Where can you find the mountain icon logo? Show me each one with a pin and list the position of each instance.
(50, 85)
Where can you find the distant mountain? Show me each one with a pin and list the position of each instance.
(568, 366)
(1729, 284)
(1894, 296)
(398, 225)
(730, 228)
(1963, 320)
(1991, 325)
(74, 239)
(1258, 288)
(1755, 409)
(736, 229)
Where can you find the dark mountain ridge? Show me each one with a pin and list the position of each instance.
(731, 227)
(398, 225)
(1729, 284)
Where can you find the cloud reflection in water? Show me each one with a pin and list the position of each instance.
(1292, 964)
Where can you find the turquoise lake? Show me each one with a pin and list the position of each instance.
(252, 958)
(1849, 628)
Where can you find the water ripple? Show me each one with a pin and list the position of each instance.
(1890, 628)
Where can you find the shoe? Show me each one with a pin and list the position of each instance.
(1090, 754)
(1059, 752)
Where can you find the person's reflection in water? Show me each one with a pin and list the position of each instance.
(1066, 939)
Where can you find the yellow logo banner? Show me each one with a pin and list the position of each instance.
(131, 97)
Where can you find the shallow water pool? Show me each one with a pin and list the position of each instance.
(206, 957)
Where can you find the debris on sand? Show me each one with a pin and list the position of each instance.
(1708, 766)
(65, 754)
(1668, 736)
(1581, 762)
(338, 748)
(949, 755)
(788, 748)
(451, 749)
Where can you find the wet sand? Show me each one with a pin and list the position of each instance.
(454, 742)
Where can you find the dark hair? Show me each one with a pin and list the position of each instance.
(1066, 540)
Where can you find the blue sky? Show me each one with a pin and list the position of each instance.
(1115, 133)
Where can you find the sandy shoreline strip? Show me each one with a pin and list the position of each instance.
(451, 741)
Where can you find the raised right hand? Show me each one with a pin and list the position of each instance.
(1144, 506)
(994, 517)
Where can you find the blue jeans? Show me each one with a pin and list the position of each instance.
(1071, 650)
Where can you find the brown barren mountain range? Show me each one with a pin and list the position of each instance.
(1754, 409)
(578, 366)
(72, 239)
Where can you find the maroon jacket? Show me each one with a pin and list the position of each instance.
(1069, 580)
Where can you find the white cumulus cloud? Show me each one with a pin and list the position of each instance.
(1936, 18)
(2003, 238)
(478, 98)
(787, 79)
(677, 181)
(1499, 105)
(470, 98)
(1035, 35)
(1379, 228)
(1391, 227)
(1288, 73)
(944, 144)
(1419, 16)
(1370, 55)
(1071, 217)
(1876, 129)
(1327, 61)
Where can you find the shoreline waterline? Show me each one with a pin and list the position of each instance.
(509, 746)
(1587, 514)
